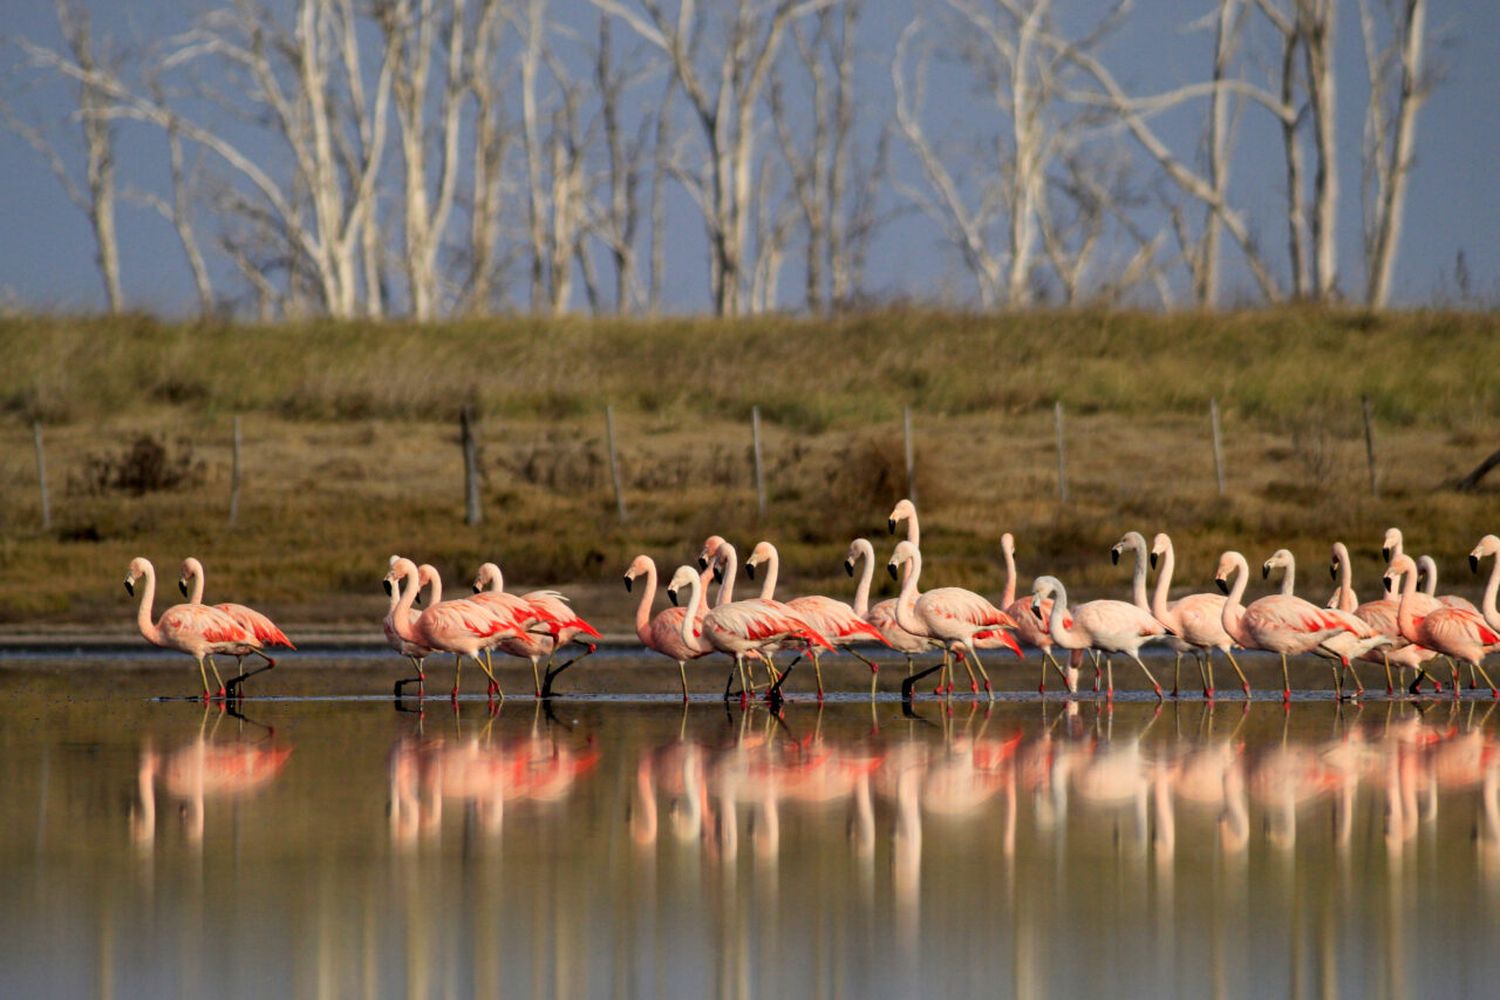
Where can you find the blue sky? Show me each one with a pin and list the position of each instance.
(46, 258)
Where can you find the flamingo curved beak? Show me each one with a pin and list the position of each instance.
(1265, 571)
(130, 587)
(891, 569)
(1473, 563)
(629, 580)
(672, 596)
(1387, 581)
(702, 561)
(890, 524)
(1114, 556)
(1153, 560)
(750, 570)
(1333, 571)
(1385, 553)
(384, 583)
(1223, 584)
(719, 573)
(849, 566)
(182, 586)
(1036, 605)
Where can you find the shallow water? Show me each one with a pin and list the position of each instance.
(634, 848)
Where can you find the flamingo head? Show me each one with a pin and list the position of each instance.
(427, 575)
(138, 568)
(1392, 545)
(1426, 570)
(1008, 544)
(639, 566)
(852, 557)
(904, 552)
(903, 510)
(762, 552)
(1227, 565)
(489, 578)
(685, 576)
(1399, 565)
(401, 567)
(1489, 545)
(1280, 559)
(711, 548)
(1043, 588)
(1131, 541)
(1159, 547)
(191, 569)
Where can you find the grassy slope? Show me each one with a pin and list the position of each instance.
(351, 449)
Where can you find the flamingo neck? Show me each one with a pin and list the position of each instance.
(401, 618)
(906, 602)
(1406, 610)
(196, 597)
(643, 610)
(143, 619)
(773, 569)
(497, 579)
(1491, 588)
(434, 586)
(1429, 585)
(1010, 576)
(1163, 582)
(1234, 611)
(1055, 621)
(731, 567)
(690, 616)
(1345, 599)
(1138, 578)
(913, 530)
(866, 577)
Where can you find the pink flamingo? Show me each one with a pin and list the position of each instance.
(883, 614)
(834, 620)
(1196, 621)
(721, 560)
(738, 628)
(1380, 615)
(1279, 623)
(414, 652)
(462, 627)
(195, 629)
(563, 626)
(1489, 545)
(882, 617)
(250, 620)
(1427, 581)
(1135, 543)
(1031, 629)
(1392, 546)
(1361, 637)
(950, 615)
(1457, 633)
(663, 633)
(1113, 627)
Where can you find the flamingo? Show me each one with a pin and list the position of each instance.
(834, 620)
(1135, 543)
(1196, 621)
(250, 620)
(1489, 545)
(722, 559)
(1458, 633)
(1110, 626)
(461, 627)
(951, 615)
(1361, 638)
(883, 614)
(1278, 623)
(414, 652)
(882, 617)
(663, 633)
(739, 627)
(1029, 628)
(1380, 615)
(195, 629)
(1392, 546)
(563, 626)
(1427, 579)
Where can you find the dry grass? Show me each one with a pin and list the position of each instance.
(352, 453)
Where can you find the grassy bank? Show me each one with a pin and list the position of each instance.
(351, 448)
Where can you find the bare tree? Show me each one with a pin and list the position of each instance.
(619, 216)
(747, 46)
(1398, 88)
(95, 195)
(491, 138)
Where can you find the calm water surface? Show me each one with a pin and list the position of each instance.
(615, 848)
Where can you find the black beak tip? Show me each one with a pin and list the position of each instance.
(477, 588)
(672, 596)
(890, 524)
(1265, 571)
(702, 562)
(1385, 554)
(1114, 557)
(750, 570)
(1153, 560)
(718, 574)
(891, 569)
(1223, 584)
(628, 583)
(1387, 583)
(1473, 563)
(130, 587)
(182, 586)
(849, 567)
(387, 585)
(1333, 572)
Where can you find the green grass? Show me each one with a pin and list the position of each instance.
(351, 445)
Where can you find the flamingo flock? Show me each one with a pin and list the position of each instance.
(1406, 628)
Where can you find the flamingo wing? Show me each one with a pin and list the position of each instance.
(257, 625)
(188, 622)
(835, 620)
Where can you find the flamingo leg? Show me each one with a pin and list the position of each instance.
(728, 684)
(1177, 674)
(1245, 684)
(988, 690)
(235, 682)
(1096, 672)
(1061, 673)
(203, 674)
(488, 666)
(1208, 685)
(682, 669)
(554, 672)
(1390, 685)
(1286, 681)
(818, 672)
(1109, 677)
(1338, 684)
(910, 665)
(1359, 687)
(1147, 671)
(420, 680)
(874, 669)
(458, 669)
(220, 680)
(536, 680)
(1486, 675)
(973, 681)
(1455, 678)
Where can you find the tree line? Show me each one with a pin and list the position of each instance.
(429, 158)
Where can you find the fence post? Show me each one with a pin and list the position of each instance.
(41, 474)
(614, 460)
(472, 512)
(760, 481)
(234, 476)
(911, 463)
(1213, 416)
(1369, 414)
(1062, 454)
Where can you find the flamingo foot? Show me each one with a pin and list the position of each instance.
(973, 687)
(820, 697)
(1158, 693)
(1208, 694)
(1286, 696)
(1247, 691)
(1494, 694)
(1041, 688)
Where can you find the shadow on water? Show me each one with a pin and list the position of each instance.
(602, 848)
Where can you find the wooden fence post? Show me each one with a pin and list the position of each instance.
(472, 512)
(614, 460)
(1369, 415)
(1062, 454)
(1213, 416)
(911, 462)
(760, 481)
(234, 476)
(41, 474)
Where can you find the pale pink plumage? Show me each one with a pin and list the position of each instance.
(1455, 632)
(662, 633)
(1111, 627)
(195, 629)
